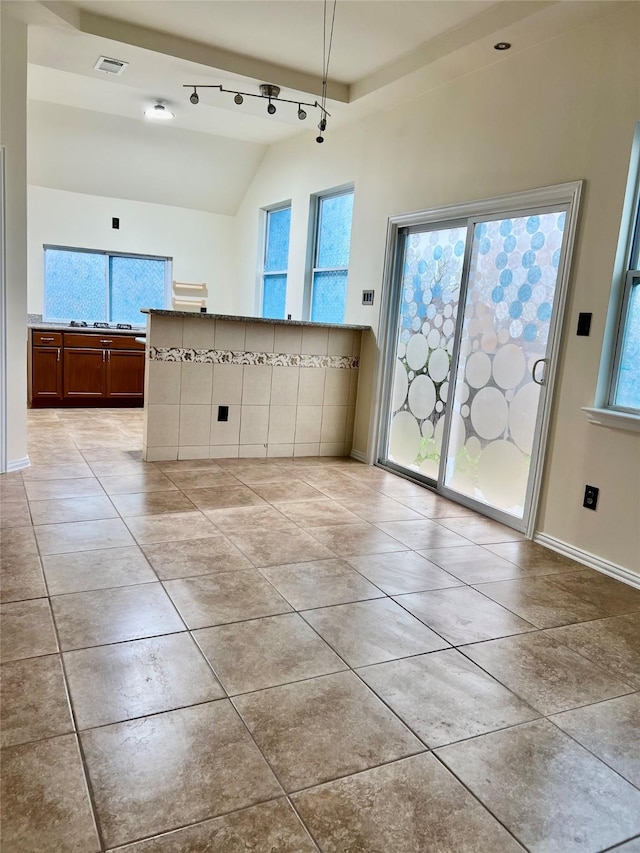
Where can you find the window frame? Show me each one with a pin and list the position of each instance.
(315, 224)
(262, 255)
(168, 276)
(631, 280)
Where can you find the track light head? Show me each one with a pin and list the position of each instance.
(320, 138)
(322, 126)
(194, 97)
(238, 99)
(271, 108)
(301, 113)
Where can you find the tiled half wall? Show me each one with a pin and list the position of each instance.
(290, 390)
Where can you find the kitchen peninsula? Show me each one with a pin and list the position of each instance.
(221, 386)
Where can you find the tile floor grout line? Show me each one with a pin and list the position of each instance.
(71, 708)
(482, 804)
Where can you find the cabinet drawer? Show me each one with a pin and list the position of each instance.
(102, 341)
(46, 339)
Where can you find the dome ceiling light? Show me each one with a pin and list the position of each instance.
(159, 112)
(271, 92)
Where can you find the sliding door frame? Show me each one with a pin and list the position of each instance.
(560, 195)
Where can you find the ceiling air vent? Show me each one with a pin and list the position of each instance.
(110, 66)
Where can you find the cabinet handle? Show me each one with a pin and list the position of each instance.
(47, 339)
(106, 342)
(58, 359)
(103, 354)
(109, 356)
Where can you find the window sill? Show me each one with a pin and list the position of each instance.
(613, 419)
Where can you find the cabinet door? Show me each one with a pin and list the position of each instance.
(46, 373)
(84, 373)
(125, 373)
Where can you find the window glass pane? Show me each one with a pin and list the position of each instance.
(334, 231)
(135, 283)
(276, 256)
(328, 297)
(274, 296)
(74, 286)
(628, 390)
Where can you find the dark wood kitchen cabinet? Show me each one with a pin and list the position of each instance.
(86, 370)
(46, 372)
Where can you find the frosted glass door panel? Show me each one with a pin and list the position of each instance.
(431, 276)
(507, 314)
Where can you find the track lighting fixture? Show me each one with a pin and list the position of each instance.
(271, 92)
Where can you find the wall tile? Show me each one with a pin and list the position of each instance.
(222, 451)
(282, 424)
(308, 424)
(280, 450)
(163, 383)
(200, 452)
(227, 384)
(160, 454)
(311, 386)
(334, 420)
(165, 332)
(254, 424)
(340, 342)
(225, 432)
(356, 344)
(256, 385)
(195, 425)
(354, 376)
(284, 385)
(259, 337)
(162, 427)
(288, 339)
(331, 449)
(336, 387)
(230, 335)
(306, 449)
(198, 333)
(314, 341)
(252, 451)
(348, 433)
(196, 383)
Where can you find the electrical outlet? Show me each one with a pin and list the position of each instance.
(590, 497)
(223, 413)
(115, 222)
(584, 324)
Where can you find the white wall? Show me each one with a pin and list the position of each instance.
(562, 111)
(13, 129)
(201, 244)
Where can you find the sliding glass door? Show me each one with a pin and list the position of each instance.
(473, 316)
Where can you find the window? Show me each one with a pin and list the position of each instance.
(331, 257)
(276, 261)
(102, 287)
(625, 386)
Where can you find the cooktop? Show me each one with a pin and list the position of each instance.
(83, 325)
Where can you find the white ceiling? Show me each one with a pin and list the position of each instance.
(384, 52)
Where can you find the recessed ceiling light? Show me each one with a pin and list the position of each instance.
(502, 45)
(158, 112)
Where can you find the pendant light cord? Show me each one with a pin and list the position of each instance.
(326, 54)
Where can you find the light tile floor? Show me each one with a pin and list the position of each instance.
(298, 655)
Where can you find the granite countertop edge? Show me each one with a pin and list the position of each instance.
(158, 312)
(84, 330)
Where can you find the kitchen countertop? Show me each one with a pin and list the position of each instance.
(158, 312)
(84, 330)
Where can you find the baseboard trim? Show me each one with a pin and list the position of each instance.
(18, 464)
(357, 455)
(590, 560)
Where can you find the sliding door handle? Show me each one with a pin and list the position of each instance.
(543, 378)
